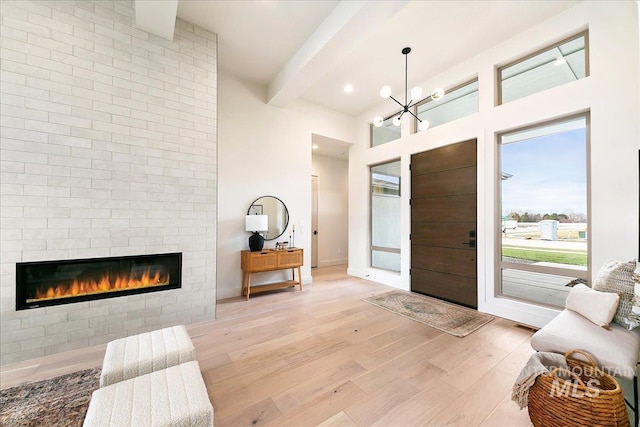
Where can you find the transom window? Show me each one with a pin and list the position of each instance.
(385, 133)
(459, 102)
(556, 65)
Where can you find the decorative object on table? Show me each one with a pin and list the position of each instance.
(582, 395)
(450, 318)
(255, 224)
(59, 401)
(293, 236)
(416, 94)
(282, 246)
(277, 212)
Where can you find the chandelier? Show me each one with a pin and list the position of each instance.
(416, 94)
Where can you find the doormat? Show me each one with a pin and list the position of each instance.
(59, 401)
(450, 318)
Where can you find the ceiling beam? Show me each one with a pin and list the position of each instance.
(157, 17)
(348, 25)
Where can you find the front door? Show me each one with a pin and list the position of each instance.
(443, 223)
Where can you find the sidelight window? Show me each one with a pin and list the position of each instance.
(385, 216)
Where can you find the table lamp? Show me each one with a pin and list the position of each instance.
(255, 224)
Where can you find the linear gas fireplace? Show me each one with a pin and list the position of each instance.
(41, 284)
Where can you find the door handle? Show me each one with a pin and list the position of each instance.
(471, 243)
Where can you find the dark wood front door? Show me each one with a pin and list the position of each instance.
(443, 223)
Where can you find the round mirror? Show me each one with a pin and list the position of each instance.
(277, 213)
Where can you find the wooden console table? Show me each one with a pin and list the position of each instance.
(270, 260)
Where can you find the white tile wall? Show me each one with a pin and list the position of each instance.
(109, 139)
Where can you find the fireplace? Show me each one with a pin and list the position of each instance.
(46, 283)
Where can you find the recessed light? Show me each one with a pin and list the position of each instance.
(560, 61)
(314, 146)
(348, 88)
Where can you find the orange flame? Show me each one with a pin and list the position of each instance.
(104, 284)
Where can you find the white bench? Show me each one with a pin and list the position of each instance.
(141, 354)
(172, 397)
(615, 349)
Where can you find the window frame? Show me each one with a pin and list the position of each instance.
(414, 121)
(371, 194)
(498, 264)
(498, 79)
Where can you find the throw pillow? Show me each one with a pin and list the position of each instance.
(617, 277)
(599, 307)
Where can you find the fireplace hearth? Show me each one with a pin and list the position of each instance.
(47, 283)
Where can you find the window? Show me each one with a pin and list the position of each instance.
(459, 102)
(385, 216)
(556, 65)
(543, 232)
(385, 133)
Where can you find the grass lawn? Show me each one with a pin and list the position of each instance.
(571, 258)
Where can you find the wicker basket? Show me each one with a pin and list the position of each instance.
(582, 396)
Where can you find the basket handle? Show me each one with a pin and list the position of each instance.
(555, 371)
(587, 356)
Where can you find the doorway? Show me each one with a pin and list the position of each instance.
(314, 221)
(443, 223)
(329, 202)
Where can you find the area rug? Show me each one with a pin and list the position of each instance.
(59, 401)
(450, 318)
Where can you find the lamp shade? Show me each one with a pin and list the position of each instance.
(256, 223)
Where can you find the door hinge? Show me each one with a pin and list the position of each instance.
(409, 236)
(409, 272)
(409, 202)
(409, 166)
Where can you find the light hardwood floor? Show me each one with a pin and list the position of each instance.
(323, 357)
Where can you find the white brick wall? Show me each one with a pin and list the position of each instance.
(109, 139)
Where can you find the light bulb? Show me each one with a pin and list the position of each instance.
(423, 125)
(378, 121)
(385, 92)
(396, 120)
(416, 93)
(437, 94)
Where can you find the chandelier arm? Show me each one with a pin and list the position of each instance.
(417, 118)
(399, 103)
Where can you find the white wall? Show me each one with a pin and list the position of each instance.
(333, 209)
(108, 149)
(265, 150)
(610, 93)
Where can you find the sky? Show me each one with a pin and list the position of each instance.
(549, 174)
